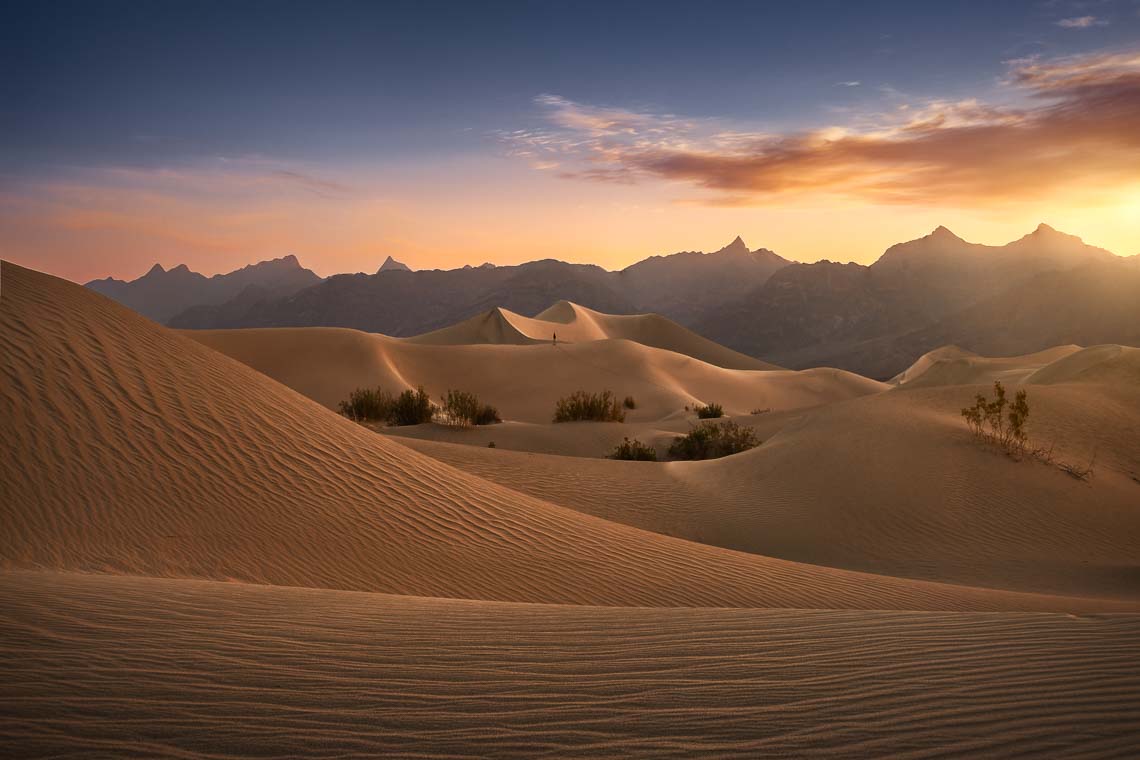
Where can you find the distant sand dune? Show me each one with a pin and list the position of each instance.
(142, 452)
(951, 365)
(523, 381)
(572, 323)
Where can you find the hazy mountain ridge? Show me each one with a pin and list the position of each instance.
(161, 294)
(398, 302)
(877, 319)
(874, 320)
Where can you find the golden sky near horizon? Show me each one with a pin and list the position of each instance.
(611, 186)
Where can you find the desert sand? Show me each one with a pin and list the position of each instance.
(200, 557)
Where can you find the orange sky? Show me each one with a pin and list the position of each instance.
(612, 186)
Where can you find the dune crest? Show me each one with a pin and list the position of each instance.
(572, 323)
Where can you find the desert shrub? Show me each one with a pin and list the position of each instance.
(597, 407)
(490, 444)
(710, 412)
(990, 421)
(710, 440)
(368, 404)
(464, 409)
(634, 450)
(758, 410)
(411, 408)
(629, 403)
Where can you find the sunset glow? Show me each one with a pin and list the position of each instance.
(881, 140)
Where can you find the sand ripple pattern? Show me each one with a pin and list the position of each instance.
(104, 666)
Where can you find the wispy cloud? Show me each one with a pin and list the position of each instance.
(852, 83)
(1081, 22)
(1081, 128)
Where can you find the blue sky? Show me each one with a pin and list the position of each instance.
(399, 95)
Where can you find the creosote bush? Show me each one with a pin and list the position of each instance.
(710, 440)
(710, 412)
(596, 407)
(1002, 423)
(758, 410)
(990, 421)
(634, 450)
(412, 408)
(378, 405)
(629, 403)
(368, 404)
(464, 409)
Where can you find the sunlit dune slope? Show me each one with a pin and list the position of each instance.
(524, 382)
(892, 483)
(131, 449)
(951, 365)
(98, 665)
(572, 323)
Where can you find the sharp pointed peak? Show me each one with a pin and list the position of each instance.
(737, 245)
(942, 231)
(390, 264)
(156, 269)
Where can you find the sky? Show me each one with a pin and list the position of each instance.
(217, 134)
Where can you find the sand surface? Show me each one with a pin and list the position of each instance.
(199, 558)
(570, 323)
(93, 666)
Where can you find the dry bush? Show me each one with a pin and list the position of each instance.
(990, 421)
(710, 412)
(634, 450)
(629, 403)
(368, 405)
(1003, 423)
(412, 408)
(758, 410)
(595, 407)
(463, 409)
(710, 440)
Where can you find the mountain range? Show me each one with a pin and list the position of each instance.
(1043, 289)
(162, 294)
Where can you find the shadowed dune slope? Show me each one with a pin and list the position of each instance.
(523, 381)
(577, 324)
(892, 484)
(161, 668)
(133, 450)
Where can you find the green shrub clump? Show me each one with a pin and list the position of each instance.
(412, 408)
(377, 405)
(368, 404)
(711, 440)
(464, 409)
(710, 412)
(634, 450)
(596, 407)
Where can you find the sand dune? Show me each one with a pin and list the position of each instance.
(892, 484)
(572, 323)
(143, 452)
(99, 666)
(523, 381)
(951, 365)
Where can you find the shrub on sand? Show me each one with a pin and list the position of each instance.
(711, 440)
(464, 409)
(368, 404)
(629, 403)
(412, 408)
(710, 412)
(634, 450)
(596, 407)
